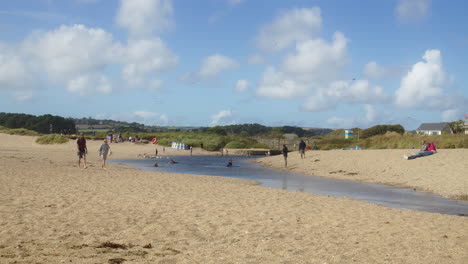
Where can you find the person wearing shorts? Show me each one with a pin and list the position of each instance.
(104, 151)
(82, 150)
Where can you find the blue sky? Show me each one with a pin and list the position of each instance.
(322, 63)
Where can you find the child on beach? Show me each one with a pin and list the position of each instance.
(103, 152)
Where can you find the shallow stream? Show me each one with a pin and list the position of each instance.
(401, 198)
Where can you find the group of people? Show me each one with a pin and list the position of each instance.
(285, 150)
(82, 151)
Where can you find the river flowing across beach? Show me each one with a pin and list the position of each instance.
(394, 197)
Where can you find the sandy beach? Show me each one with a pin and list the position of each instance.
(444, 173)
(51, 211)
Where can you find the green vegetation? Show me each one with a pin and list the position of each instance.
(394, 140)
(42, 124)
(52, 139)
(18, 131)
(381, 130)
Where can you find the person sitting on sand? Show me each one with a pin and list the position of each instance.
(229, 164)
(104, 150)
(426, 150)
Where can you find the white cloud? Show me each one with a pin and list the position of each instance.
(451, 115)
(70, 51)
(214, 64)
(279, 85)
(370, 117)
(142, 18)
(294, 25)
(316, 59)
(426, 86)
(315, 63)
(142, 57)
(221, 118)
(412, 10)
(242, 85)
(89, 84)
(373, 71)
(350, 92)
(256, 59)
(15, 77)
(143, 117)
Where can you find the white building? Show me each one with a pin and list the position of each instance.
(434, 129)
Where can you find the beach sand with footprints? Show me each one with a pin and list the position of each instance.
(51, 211)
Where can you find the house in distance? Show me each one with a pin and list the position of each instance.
(434, 129)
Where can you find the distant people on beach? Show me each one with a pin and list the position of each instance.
(315, 147)
(191, 150)
(229, 164)
(82, 150)
(104, 151)
(302, 148)
(156, 152)
(285, 155)
(156, 164)
(426, 150)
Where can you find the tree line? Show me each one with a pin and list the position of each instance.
(44, 124)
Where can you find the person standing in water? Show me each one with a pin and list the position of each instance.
(285, 155)
(104, 151)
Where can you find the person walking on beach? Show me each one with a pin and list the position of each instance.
(302, 147)
(103, 152)
(82, 150)
(285, 155)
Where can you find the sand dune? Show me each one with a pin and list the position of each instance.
(53, 212)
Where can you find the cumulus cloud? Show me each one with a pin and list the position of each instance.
(89, 84)
(316, 59)
(77, 57)
(256, 59)
(242, 85)
(216, 63)
(370, 118)
(142, 18)
(223, 117)
(412, 10)
(277, 84)
(313, 64)
(451, 115)
(140, 116)
(427, 86)
(291, 26)
(70, 50)
(373, 71)
(350, 92)
(142, 57)
(15, 75)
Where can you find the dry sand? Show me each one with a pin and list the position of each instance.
(444, 173)
(53, 212)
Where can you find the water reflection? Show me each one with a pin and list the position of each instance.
(402, 198)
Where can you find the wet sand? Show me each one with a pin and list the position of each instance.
(53, 212)
(444, 173)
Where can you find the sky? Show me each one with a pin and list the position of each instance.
(306, 63)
